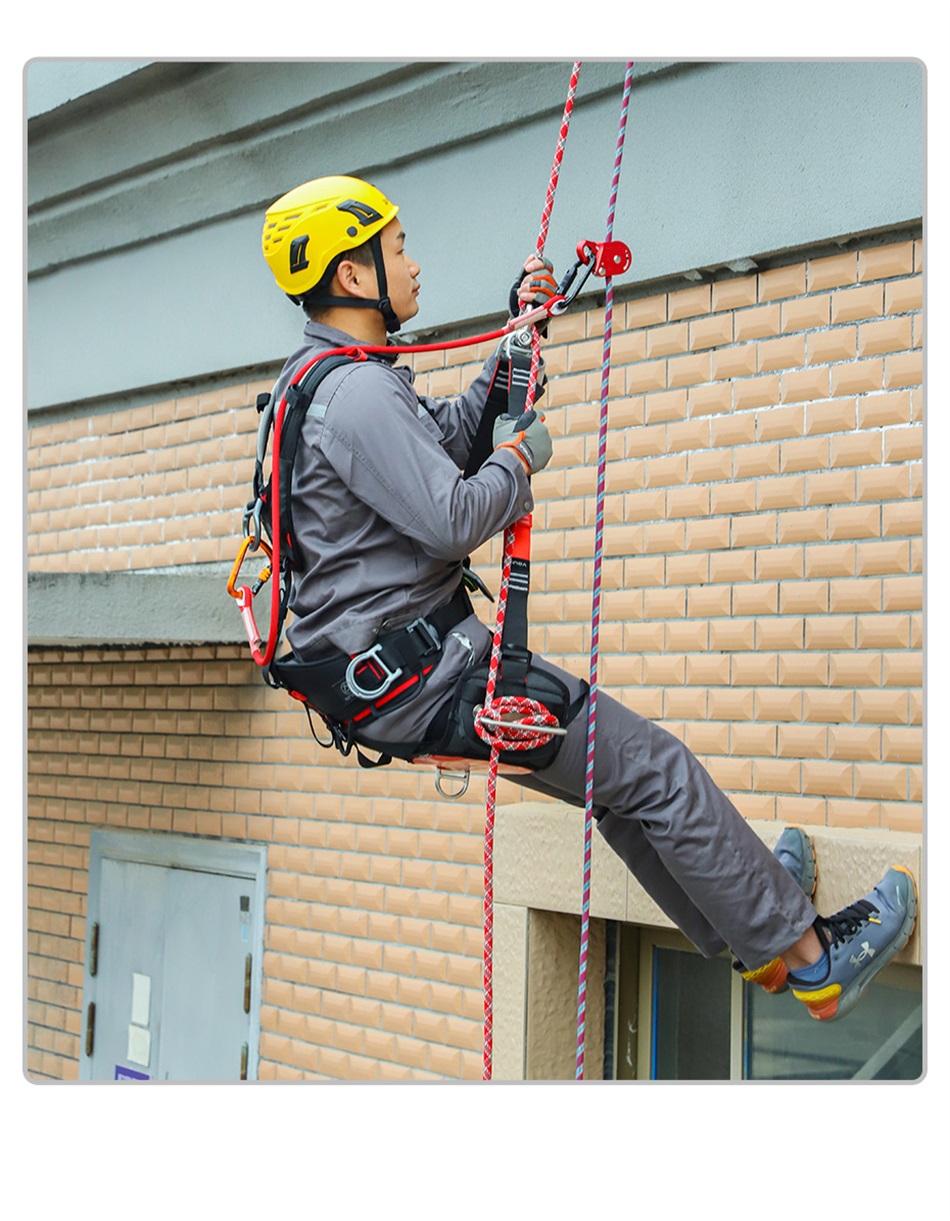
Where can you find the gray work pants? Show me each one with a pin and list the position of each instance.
(659, 810)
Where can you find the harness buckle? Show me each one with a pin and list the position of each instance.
(368, 660)
(425, 628)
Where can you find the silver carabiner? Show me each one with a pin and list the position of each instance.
(389, 677)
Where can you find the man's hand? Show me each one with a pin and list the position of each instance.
(528, 437)
(535, 286)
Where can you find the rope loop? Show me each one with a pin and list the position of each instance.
(503, 732)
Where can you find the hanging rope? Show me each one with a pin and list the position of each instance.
(511, 735)
(595, 600)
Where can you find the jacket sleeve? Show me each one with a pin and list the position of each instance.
(390, 451)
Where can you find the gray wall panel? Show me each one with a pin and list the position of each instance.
(144, 234)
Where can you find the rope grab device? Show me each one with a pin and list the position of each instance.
(507, 720)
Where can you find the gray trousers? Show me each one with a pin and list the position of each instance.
(659, 810)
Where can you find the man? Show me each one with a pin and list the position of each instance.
(384, 521)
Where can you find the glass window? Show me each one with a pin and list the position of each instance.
(881, 1039)
(706, 1025)
(691, 1017)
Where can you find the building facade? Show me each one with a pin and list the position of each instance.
(763, 584)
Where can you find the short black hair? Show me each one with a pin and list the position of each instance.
(314, 300)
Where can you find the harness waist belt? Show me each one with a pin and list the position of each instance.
(356, 688)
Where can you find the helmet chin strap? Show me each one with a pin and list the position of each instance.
(382, 303)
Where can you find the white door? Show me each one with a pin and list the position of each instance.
(173, 960)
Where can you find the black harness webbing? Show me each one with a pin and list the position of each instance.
(350, 691)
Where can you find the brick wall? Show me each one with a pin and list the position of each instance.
(762, 598)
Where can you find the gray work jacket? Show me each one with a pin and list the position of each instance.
(382, 514)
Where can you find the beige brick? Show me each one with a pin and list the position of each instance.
(759, 598)
(884, 483)
(807, 526)
(854, 596)
(880, 781)
(779, 563)
(785, 492)
(753, 460)
(647, 311)
(857, 668)
(802, 384)
(732, 362)
(712, 332)
(902, 745)
(856, 304)
(806, 313)
(904, 444)
(803, 597)
(646, 376)
(687, 370)
(854, 742)
(727, 567)
(889, 556)
(903, 296)
(883, 631)
(902, 518)
(713, 399)
(664, 406)
(787, 352)
(831, 779)
(884, 336)
(734, 293)
(709, 467)
(758, 323)
(802, 741)
(864, 376)
(671, 340)
(780, 422)
(833, 272)
(831, 487)
(805, 669)
(807, 454)
(666, 471)
(750, 392)
(782, 282)
(833, 345)
(832, 561)
(690, 302)
(880, 262)
(856, 449)
(828, 706)
(886, 707)
(753, 669)
(757, 529)
(778, 704)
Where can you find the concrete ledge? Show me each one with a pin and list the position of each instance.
(133, 608)
(539, 855)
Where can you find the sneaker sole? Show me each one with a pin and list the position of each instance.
(829, 1008)
(809, 881)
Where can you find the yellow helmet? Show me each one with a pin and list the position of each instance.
(310, 226)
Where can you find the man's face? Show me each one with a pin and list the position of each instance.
(402, 274)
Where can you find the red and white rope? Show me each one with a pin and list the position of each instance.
(490, 710)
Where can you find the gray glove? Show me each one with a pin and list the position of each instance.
(528, 436)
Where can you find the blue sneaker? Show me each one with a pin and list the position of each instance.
(794, 850)
(860, 940)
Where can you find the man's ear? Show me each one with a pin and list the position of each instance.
(354, 278)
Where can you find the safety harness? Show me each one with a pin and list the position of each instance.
(346, 691)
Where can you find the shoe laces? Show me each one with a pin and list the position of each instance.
(848, 921)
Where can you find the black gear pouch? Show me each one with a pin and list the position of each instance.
(454, 733)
